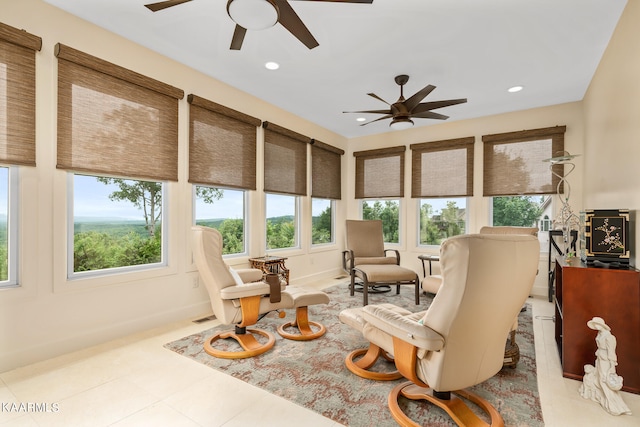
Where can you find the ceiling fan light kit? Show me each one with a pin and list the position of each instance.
(253, 14)
(401, 123)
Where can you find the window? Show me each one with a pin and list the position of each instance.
(517, 211)
(117, 223)
(224, 210)
(222, 145)
(285, 179)
(388, 211)
(380, 173)
(282, 221)
(222, 164)
(518, 177)
(523, 211)
(326, 182)
(442, 218)
(17, 95)
(118, 138)
(8, 226)
(380, 181)
(441, 175)
(322, 231)
(514, 163)
(17, 135)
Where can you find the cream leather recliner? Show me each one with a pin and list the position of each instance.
(242, 299)
(432, 283)
(459, 342)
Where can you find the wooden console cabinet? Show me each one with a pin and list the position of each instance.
(584, 292)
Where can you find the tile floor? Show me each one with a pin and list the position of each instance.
(134, 381)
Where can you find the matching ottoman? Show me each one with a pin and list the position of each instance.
(389, 274)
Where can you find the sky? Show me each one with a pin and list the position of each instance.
(92, 200)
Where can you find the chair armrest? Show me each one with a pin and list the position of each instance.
(403, 328)
(250, 274)
(397, 253)
(246, 290)
(347, 258)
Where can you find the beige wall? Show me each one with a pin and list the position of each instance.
(612, 123)
(50, 315)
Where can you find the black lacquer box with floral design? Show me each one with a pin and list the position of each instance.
(606, 236)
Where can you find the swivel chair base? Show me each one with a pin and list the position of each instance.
(361, 366)
(246, 339)
(453, 405)
(303, 325)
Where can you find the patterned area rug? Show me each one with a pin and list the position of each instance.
(312, 374)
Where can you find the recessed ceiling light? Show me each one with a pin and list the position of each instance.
(272, 65)
(360, 119)
(515, 89)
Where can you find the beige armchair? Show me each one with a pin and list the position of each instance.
(241, 298)
(459, 342)
(366, 258)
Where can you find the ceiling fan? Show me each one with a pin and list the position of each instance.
(402, 111)
(259, 15)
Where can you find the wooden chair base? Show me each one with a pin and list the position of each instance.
(252, 347)
(361, 366)
(303, 325)
(457, 409)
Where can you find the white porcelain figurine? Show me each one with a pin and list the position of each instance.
(601, 383)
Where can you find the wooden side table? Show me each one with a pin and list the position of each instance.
(271, 264)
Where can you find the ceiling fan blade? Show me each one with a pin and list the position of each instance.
(154, 7)
(238, 37)
(388, 116)
(370, 111)
(426, 106)
(378, 98)
(418, 96)
(292, 22)
(429, 115)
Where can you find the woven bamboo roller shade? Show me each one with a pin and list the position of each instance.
(222, 145)
(326, 171)
(114, 121)
(18, 95)
(442, 168)
(380, 173)
(285, 160)
(514, 162)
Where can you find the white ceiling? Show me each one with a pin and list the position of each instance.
(474, 49)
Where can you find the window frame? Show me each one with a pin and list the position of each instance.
(71, 275)
(13, 228)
